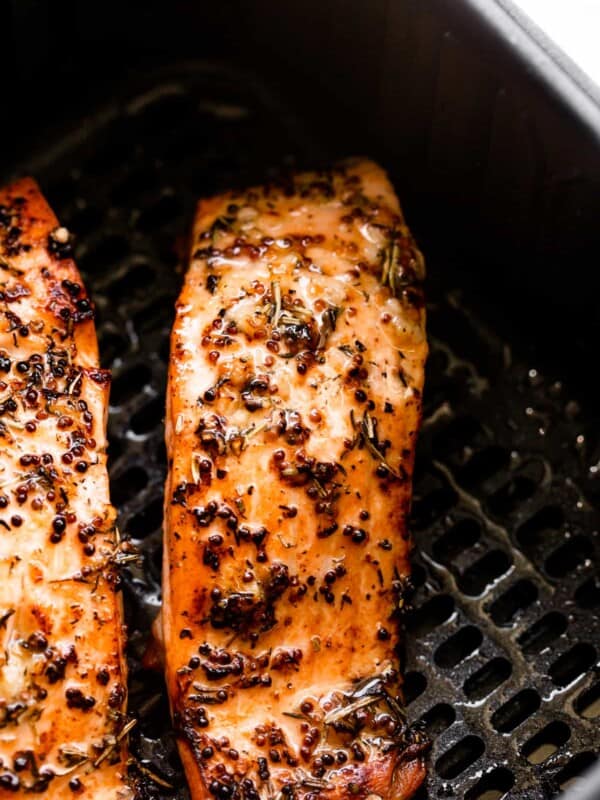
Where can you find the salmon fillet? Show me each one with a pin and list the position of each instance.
(62, 667)
(293, 404)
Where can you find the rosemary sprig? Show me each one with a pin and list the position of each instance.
(367, 693)
(338, 714)
(110, 748)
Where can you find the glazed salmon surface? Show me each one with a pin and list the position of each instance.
(62, 670)
(294, 401)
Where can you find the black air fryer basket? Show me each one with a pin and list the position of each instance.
(127, 113)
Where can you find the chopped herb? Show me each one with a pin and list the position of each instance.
(294, 715)
(276, 305)
(328, 323)
(241, 507)
(367, 430)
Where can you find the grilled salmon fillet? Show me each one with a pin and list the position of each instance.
(62, 668)
(293, 404)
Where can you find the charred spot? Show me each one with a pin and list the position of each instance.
(300, 473)
(254, 391)
(212, 282)
(117, 695)
(60, 243)
(316, 476)
(11, 712)
(15, 292)
(414, 296)
(324, 471)
(300, 336)
(263, 769)
(222, 224)
(250, 681)
(5, 216)
(76, 699)
(185, 722)
(325, 533)
(402, 590)
(289, 424)
(181, 493)
(250, 611)
(73, 289)
(286, 659)
(220, 664)
(237, 611)
(212, 393)
(358, 535)
(278, 581)
(204, 515)
(56, 667)
(14, 320)
(101, 376)
(255, 535)
(37, 642)
(84, 310)
(103, 676)
(318, 189)
(13, 235)
(211, 559)
(23, 760)
(211, 434)
(58, 361)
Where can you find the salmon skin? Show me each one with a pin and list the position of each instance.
(293, 404)
(62, 667)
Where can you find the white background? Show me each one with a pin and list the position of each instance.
(574, 25)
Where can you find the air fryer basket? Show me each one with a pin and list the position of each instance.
(503, 643)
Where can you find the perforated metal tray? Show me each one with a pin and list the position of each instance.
(503, 644)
